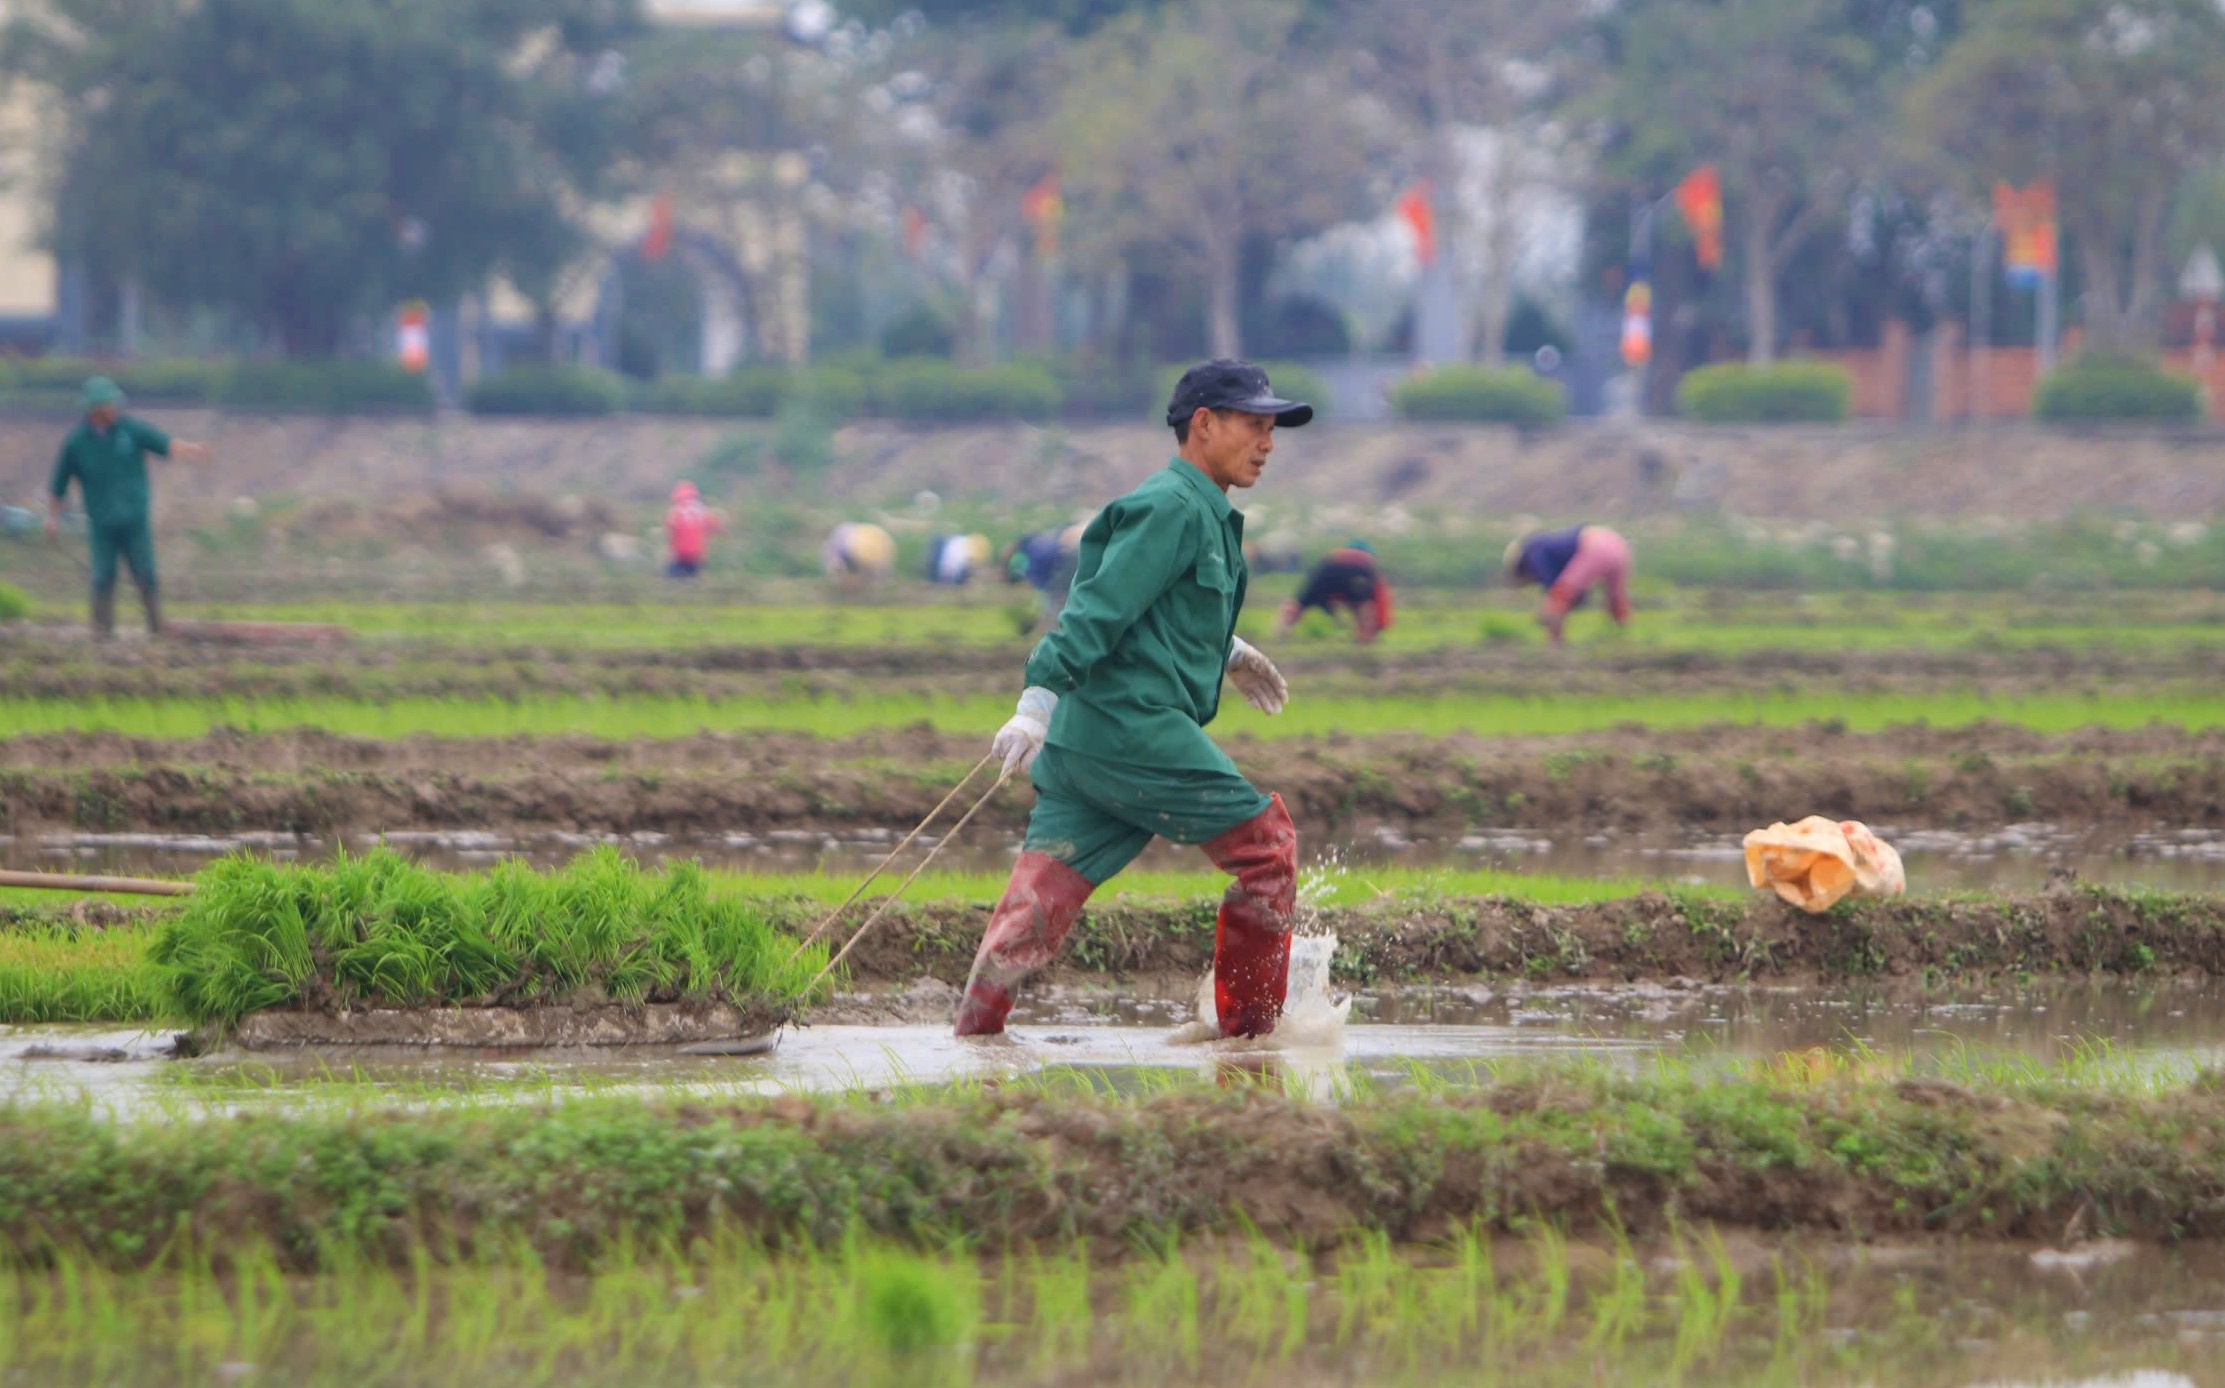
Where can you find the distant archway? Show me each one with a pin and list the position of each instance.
(722, 303)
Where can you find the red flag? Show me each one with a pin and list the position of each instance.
(1044, 208)
(656, 242)
(1700, 199)
(1418, 206)
(2026, 217)
(915, 232)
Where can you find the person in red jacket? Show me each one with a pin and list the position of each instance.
(1347, 579)
(688, 528)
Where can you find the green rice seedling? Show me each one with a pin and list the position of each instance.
(1261, 1297)
(907, 1305)
(1159, 1307)
(2179, 704)
(1369, 1283)
(381, 929)
(1060, 1316)
(58, 974)
(1619, 1312)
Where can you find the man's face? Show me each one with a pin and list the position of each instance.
(1233, 446)
(102, 416)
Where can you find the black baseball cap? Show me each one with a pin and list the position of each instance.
(1232, 385)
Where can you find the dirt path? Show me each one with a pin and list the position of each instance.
(1628, 781)
(1848, 473)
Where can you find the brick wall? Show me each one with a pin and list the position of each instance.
(2000, 380)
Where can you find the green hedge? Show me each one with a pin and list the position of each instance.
(753, 392)
(2116, 388)
(930, 391)
(1787, 392)
(182, 380)
(1480, 395)
(1287, 379)
(325, 387)
(338, 387)
(548, 390)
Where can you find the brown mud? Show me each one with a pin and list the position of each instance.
(1723, 779)
(1161, 948)
(736, 1029)
(34, 666)
(2068, 929)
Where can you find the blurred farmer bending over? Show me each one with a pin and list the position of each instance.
(1346, 580)
(107, 455)
(1567, 564)
(1045, 562)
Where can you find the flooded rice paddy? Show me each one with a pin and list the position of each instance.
(1129, 1042)
(2015, 857)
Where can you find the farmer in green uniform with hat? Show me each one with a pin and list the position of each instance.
(1112, 725)
(107, 454)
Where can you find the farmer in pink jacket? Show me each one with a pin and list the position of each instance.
(1567, 564)
(688, 528)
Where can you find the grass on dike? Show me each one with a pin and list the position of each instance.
(910, 1163)
(1669, 619)
(627, 717)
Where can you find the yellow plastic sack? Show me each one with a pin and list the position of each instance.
(1818, 862)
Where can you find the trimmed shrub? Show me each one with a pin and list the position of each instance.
(1786, 392)
(934, 391)
(1480, 395)
(919, 331)
(324, 387)
(548, 390)
(2116, 388)
(57, 380)
(831, 392)
(14, 606)
(750, 392)
(1094, 389)
(1286, 378)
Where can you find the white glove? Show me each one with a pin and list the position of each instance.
(1020, 739)
(1256, 677)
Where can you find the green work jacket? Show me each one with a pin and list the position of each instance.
(110, 468)
(1137, 655)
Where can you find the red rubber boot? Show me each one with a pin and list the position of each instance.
(1040, 905)
(1251, 950)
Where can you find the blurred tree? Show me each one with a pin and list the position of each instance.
(1450, 68)
(711, 117)
(303, 163)
(972, 133)
(1785, 97)
(2117, 102)
(1200, 127)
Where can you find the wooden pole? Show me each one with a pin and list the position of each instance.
(71, 882)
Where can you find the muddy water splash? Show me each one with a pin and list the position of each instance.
(1313, 1016)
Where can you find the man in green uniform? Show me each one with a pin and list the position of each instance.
(1112, 726)
(107, 454)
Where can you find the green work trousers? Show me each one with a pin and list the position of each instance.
(134, 542)
(1096, 815)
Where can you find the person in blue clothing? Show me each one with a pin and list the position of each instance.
(1045, 561)
(1567, 564)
